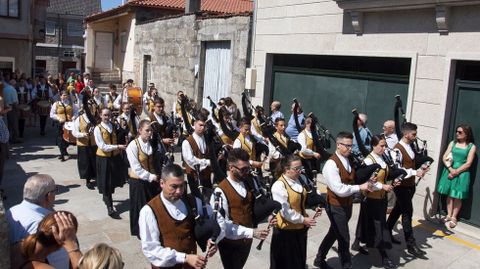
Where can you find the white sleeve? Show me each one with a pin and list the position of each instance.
(237, 144)
(100, 143)
(191, 160)
(279, 194)
(118, 101)
(232, 231)
(132, 155)
(152, 248)
(334, 182)
(410, 171)
(53, 112)
(76, 128)
(301, 139)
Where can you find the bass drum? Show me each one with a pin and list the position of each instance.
(43, 108)
(67, 133)
(135, 98)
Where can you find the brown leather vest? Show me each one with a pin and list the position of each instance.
(408, 163)
(178, 235)
(240, 208)
(205, 173)
(347, 178)
(163, 128)
(250, 149)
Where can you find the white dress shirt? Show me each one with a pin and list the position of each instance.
(334, 182)
(53, 110)
(149, 232)
(100, 101)
(411, 171)
(237, 144)
(127, 120)
(132, 155)
(99, 139)
(257, 135)
(392, 140)
(302, 140)
(280, 194)
(158, 118)
(187, 152)
(233, 231)
(272, 150)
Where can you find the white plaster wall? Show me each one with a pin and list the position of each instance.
(320, 28)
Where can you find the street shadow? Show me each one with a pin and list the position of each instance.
(122, 205)
(14, 178)
(61, 189)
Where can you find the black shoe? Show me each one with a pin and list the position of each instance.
(388, 264)
(361, 249)
(62, 159)
(415, 251)
(321, 263)
(395, 241)
(112, 213)
(90, 185)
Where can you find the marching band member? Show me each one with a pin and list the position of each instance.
(83, 127)
(149, 99)
(100, 102)
(289, 239)
(61, 112)
(340, 177)
(247, 142)
(158, 115)
(166, 225)
(307, 153)
(42, 95)
(24, 98)
(237, 203)
(195, 152)
(109, 163)
(143, 177)
(111, 99)
(405, 192)
(125, 120)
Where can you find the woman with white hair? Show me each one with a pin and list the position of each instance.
(101, 256)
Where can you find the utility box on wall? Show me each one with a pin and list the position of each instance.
(250, 78)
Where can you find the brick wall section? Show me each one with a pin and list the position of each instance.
(175, 47)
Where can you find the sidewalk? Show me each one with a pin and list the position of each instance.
(457, 250)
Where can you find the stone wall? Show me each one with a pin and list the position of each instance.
(175, 46)
(4, 242)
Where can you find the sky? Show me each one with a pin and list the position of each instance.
(109, 4)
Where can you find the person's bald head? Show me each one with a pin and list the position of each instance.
(275, 106)
(388, 127)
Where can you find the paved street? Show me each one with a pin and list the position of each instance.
(459, 250)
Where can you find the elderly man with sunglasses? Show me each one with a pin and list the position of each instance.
(23, 219)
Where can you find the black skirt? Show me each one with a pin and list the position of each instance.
(110, 174)
(288, 249)
(141, 192)
(374, 232)
(86, 161)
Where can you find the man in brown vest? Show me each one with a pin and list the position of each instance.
(404, 193)
(195, 153)
(237, 205)
(340, 178)
(166, 225)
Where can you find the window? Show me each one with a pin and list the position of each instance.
(9, 8)
(50, 27)
(74, 28)
(69, 53)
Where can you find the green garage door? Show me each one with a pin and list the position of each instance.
(466, 110)
(332, 95)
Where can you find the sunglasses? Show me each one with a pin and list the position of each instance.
(348, 146)
(244, 170)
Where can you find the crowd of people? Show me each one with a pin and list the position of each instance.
(240, 178)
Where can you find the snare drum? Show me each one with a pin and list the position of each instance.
(24, 110)
(67, 133)
(43, 108)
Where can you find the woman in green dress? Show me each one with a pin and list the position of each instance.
(455, 179)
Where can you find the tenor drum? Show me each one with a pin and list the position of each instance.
(24, 110)
(135, 98)
(67, 133)
(43, 108)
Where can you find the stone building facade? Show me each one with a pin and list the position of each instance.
(170, 52)
(431, 47)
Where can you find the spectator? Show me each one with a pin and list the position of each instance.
(4, 136)
(101, 256)
(455, 179)
(365, 135)
(292, 130)
(276, 113)
(23, 219)
(389, 133)
(11, 100)
(71, 78)
(79, 84)
(57, 230)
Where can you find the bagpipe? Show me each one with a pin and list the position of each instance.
(321, 137)
(421, 152)
(314, 200)
(247, 107)
(217, 150)
(263, 205)
(185, 108)
(357, 158)
(206, 227)
(296, 107)
(163, 154)
(213, 106)
(226, 127)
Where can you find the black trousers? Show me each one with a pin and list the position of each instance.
(141, 192)
(403, 207)
(234, 253)
(43, 123)
(288, 249)
(62, 144)
(21, 127)
(12, 120)
(338, 231)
